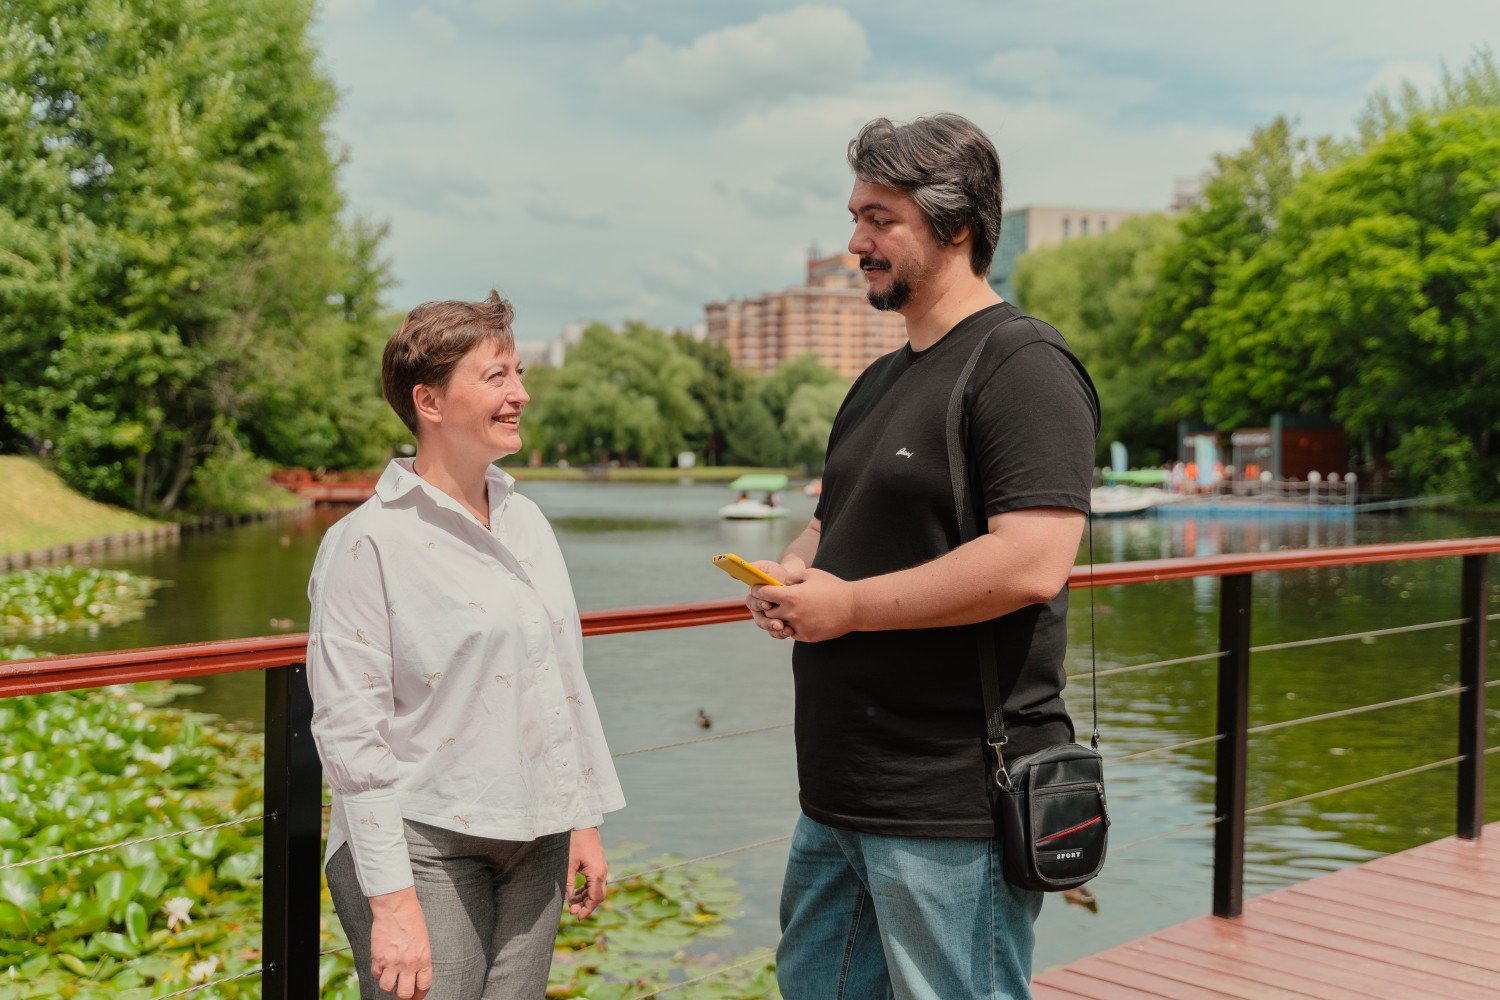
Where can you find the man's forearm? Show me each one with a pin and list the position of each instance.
(990, 576)
(803, 547)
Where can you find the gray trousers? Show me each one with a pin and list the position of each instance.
(491, 908)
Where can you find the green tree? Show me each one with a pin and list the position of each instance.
(173, 242)
(1237, 214)
(1377, 297)
(1094, 291)
(630, 392)
(719, 392)
(809, 421)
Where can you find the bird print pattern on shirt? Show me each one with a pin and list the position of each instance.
(503, 679)
(355, 550)
(463, 820)
(478, 607)
(370, 821)
(433, 678)
(446, 744)
(359, 637)
(390, 608)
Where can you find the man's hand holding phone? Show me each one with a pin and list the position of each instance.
(763, 611)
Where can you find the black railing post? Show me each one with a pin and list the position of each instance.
(1473, 656)
(1233, 747)
(292, 887)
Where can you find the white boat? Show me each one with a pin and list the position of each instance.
(747, 508)
(1128, 501)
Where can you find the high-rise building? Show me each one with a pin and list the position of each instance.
(1024, 229)
(829, 317)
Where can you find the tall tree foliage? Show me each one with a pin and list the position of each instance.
(1377, 298)
(1094, 291)
(175, 278)
(1237, 214)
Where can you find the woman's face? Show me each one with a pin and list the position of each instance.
(481, 405)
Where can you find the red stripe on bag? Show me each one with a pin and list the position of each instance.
(1071, 829)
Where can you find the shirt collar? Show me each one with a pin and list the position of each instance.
(398, 479)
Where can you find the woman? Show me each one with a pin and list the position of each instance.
(468, 765)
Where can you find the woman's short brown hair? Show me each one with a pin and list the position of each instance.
(432, 340)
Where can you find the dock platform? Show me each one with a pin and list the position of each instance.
(1424, 923)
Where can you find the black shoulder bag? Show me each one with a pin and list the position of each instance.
(1050, 806)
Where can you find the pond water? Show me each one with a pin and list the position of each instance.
(631, 545)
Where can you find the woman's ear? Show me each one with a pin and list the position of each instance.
(428, 402)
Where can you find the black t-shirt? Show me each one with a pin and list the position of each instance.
(890, 725)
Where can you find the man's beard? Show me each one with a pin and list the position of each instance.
(893, 297)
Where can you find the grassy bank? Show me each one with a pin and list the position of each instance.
(37, 509)
(703, 474)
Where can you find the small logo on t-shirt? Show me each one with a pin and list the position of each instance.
(904, 453)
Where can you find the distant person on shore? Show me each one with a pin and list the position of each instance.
(894, 884)
(468, 765)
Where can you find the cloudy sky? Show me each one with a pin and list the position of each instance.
(613, 159)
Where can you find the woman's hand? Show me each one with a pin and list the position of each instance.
(764, 611)
(400, 957)
(586, 858)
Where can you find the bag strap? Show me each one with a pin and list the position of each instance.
(968, 530)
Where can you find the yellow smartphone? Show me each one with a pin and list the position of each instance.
(743, 571)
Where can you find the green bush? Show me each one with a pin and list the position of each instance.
(1436, 460)
(232, 481)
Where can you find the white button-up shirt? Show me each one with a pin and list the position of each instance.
(446, 667)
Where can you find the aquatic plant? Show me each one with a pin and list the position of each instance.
(121, 766)
(37, 602)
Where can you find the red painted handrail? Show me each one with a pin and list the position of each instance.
(85, 670)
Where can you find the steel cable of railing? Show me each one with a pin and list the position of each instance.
(1131, 668)
(1184, 745)
(1366, 783)
(27, 863)
(624, 876)
(702, 739)
(217, 982)
(1368, 634)
(1357, 710)
(1200, 825)
(769, 953)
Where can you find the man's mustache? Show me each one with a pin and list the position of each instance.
(874, 263)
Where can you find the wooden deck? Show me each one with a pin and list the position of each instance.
(1420, 925)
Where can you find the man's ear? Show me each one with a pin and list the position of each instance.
(960, 238)
(429, 403)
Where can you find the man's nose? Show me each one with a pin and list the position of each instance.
(860, 243)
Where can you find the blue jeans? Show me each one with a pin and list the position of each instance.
(869, 917)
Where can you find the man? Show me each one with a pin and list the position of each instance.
(894, 884)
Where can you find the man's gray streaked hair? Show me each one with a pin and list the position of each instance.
(948, 167)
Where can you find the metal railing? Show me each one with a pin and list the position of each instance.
(292, 811)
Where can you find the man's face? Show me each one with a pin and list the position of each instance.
(893, 241)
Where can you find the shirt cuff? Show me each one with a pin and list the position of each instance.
(377, 840)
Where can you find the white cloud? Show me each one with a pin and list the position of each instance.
(435, 23)
(523, 156)
(809, 50)
(346, 10)
(1394, 73)
(1048, 73)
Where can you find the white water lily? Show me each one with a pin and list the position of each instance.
(200, 972)
(177, 911)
